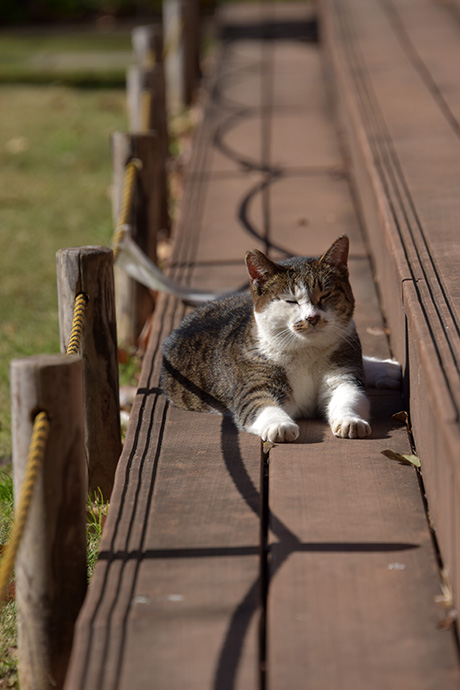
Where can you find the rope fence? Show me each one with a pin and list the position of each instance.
(81, 300)
(83, 276)
(132, 169)
(35, 458)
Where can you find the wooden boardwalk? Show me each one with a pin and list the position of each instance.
(312, 568)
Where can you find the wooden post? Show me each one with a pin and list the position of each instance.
(182, 42)
(134, 302)
(191, 40)
(148, 44)
(147, 76)
(173, 27)
(51, 562)
(90, 270)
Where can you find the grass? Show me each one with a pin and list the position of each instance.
(96, 514)
(80, 58)
(55, 176)
(8, 671)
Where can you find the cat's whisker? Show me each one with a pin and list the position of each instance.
(291, 344)
(285, 337)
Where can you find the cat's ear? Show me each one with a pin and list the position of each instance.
(260, 268)
(337, 254)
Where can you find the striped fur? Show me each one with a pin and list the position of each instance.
(287, 350)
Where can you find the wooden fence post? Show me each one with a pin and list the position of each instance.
(191, 39)
(51, 561)
(173, 27)
(147, 77)
(181, 28)
(148, 44)
(133, 301)
(90, 270)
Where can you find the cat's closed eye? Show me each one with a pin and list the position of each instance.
(291, 301)
(323, 299)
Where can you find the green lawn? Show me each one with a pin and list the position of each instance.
(55, 176)
(79, 58)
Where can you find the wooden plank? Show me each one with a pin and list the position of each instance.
(351, 555)
(351, 601)
(180, 553)
(174, 600)
(175, 595)
(394, 72)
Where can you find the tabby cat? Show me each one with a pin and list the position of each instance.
(287, 350)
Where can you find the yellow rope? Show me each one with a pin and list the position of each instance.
(34, 462)
(132, 168)
(35, 457)
(73, 347)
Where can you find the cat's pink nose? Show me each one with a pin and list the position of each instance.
(313, 319)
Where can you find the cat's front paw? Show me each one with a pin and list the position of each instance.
(280, 433)
(275, 425)
(350, 427)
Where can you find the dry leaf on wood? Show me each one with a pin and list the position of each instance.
(401, 417)
(402, 458)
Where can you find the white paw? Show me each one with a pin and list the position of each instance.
(382, 373)
(280, 433)
(275, 425)
(350, 427)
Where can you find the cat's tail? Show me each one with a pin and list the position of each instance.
(139, 267)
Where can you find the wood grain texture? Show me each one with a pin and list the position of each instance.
(175, 601)
(352, 562)
(393, 67)
(51, 563)
(134, 302)
(90, 270)
(148, 75)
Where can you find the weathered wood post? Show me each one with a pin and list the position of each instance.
(191, 39)
(147, 74)
(148, 44)
(146, 80)
(173, 27)
(182, 38)
(51, 561)
(89, 270)
(134, 302)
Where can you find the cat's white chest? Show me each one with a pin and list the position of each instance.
(304, 382)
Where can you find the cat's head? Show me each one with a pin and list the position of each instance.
(302, 299)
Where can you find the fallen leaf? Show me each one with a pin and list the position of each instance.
(401, 417)
(401, 458)
(267, 446)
